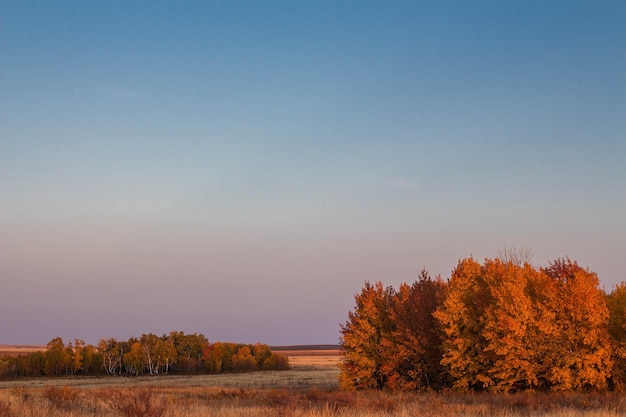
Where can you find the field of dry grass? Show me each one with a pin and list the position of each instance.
(309, 389)
(14, 350)
(302, 359)
(231, 402)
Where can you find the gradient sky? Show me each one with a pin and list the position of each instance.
(240, 168)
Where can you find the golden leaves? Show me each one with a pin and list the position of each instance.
(499, 326)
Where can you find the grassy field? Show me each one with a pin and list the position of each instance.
(309, 389)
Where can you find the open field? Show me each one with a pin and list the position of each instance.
(309, 389)
(14, 350)
(307, 358)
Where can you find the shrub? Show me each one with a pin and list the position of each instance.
(62, 398)
(21, 394)
(5, 409)
(138, 402)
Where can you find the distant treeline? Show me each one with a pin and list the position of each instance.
(500, 326)
(174, 353)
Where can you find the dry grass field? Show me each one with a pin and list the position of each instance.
(307, 358)
(15, 350)
(309, 389)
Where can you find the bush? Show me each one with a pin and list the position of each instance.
(276, 362)
(5, 409)
(62, 398)
(138, 402)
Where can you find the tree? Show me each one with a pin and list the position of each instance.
(510, 326)
(616, 304)
(92, 360)
(6, 365)
(27, 365)
(133, 359)
(516, 256)
(189, 350)
(415, 351)
(149, 353)
(364, 337)
(211, 359)
(112, 353)
(166, 352)
(243, 361)
(150, 348)
(35, 364)
(578, 352)
(78, 357)
(56, 358)
(462, 318)
(262, 356)
(276, 362)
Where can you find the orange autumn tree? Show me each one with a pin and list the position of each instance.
(391, 339)
(364, 337)
(576, 349)
(511, 327)
(462, 317)
(616, 303)
(500, 326)
(415, 344)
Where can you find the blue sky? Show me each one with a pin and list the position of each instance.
(239, 169)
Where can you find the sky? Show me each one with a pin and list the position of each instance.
(240, 168)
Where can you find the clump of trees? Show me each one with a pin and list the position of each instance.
(173, 353)
(501, 326)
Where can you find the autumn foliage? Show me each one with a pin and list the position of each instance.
(498, 326)
(392, 340)
(176, 352)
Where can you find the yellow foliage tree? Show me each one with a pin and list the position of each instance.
(243, 361)
(133, 359)
(78, 357)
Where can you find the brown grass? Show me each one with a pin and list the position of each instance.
(231, 402)
(15, 350)
(312, 358)
(136, 402)
(62, 398)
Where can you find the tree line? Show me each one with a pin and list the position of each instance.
(501, 326)
(149, 354)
